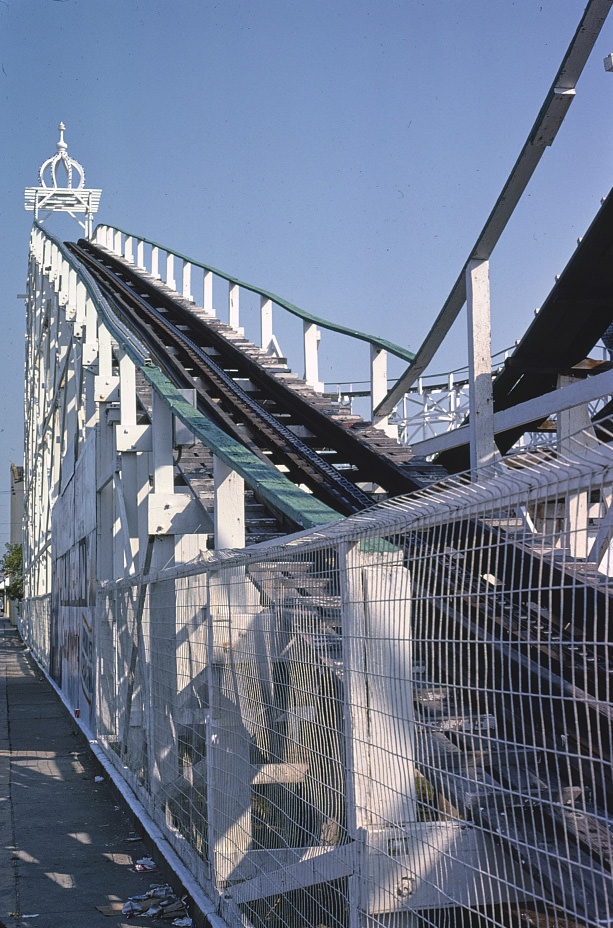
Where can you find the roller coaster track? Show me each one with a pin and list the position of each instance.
(257, 408)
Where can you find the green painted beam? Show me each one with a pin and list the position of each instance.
(266, 481)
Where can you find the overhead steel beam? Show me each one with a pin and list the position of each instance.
(541, 135)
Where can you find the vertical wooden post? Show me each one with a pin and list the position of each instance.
(265, 322)
(129, 482)
(570, 421)
(482, 447)
(378, 713)
(378, 389)
(170, 270)
(311, 365)
(229, 506)
(207, 295)
(163, 467)
(162, 617)
(233, 308)
(186, 280)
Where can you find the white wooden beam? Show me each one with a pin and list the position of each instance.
(233, 307)
(483, 451)
(207, 292)
(311, 336)
(229, 506)
(265, 322)
(163, 465)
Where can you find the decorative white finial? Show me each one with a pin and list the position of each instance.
(61, 156)
(61, 145)
(53, 197)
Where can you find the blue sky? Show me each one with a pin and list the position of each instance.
(343, 154)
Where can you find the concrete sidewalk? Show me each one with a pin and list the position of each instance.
(66, 845)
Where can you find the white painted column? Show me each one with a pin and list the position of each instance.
(105, 352)
(265, 322)
(229, 506)
(483, 450)
(162, 617)
(229, 770)
(71, 302)
(378, 390)
(163, 467)
(140, 254)
(80, 301)
(155, 261)
(170, 270)
(233, 307)
(378, 720)
(569, 422)
(129, 481)
(312, 336)
(186, 280)
(127, 251)
(207, 296)
(105, 454)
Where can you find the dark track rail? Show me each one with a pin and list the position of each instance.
(330, 463)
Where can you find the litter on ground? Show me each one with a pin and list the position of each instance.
(145, 863)
(160, 901)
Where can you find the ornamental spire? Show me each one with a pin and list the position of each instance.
(51, 196)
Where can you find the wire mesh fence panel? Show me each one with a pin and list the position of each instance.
(403, 719)
(34, 624)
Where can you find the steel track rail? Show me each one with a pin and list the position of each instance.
(172, 346)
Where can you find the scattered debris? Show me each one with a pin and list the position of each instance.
(160, 901)
(98, 779)
(145, 863)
